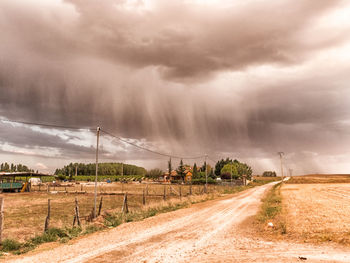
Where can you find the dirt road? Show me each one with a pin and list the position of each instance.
(205, 232)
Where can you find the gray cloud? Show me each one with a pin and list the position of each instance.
(178, 75)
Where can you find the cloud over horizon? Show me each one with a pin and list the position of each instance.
(227, 78)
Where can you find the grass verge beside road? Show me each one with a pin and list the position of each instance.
(270, 216)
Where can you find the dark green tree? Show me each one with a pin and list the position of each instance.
(169, 166)
(195, 171)
(181, 170)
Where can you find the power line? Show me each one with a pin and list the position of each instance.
(45, 125)
(108, 133)
(149, 150)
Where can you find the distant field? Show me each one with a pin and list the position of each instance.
(266, 179)
(320, 179)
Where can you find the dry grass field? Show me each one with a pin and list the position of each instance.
(310, 208)
(25, 213)
(320, 179)
(317, 212)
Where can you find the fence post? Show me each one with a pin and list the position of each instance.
(47, 220)
(125, 208)
(164, 194)
(100, 207)
(1, 217)
(180, 191)
(191, 188)
(143, 197)
(77, 214)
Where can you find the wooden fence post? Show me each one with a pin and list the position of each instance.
(100, 207)
(1, 217)
(164, 194)
(125, 208)
(47, 220)
(77, 214)
(143, 197)
(191, 188)
(180, 191)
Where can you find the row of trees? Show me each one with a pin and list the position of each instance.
(269, 174)
(227, 168)
(103, 169)
(5, 167)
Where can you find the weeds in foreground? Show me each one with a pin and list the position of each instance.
(51, 235)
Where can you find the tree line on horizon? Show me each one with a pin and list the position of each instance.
(103, 169)
(12, 168)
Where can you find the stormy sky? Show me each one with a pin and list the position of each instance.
(239, 79)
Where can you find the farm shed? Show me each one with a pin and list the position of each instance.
(18, 181)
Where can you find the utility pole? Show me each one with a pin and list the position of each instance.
(206, 174)
(122, 169)
(231, 173)
(97, 142)
(281, 159)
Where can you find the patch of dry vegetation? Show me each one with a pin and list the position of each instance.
(318, 212)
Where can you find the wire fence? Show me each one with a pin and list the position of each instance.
(25, 213)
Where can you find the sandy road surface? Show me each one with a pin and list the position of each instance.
(205, 232)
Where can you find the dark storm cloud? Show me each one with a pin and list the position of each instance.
(150, 74)
(185, 41)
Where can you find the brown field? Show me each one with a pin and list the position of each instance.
(320, 179)
(317, 212)
(25, 213)
(312, 208)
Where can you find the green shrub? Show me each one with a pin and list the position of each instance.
(73, 232)
(10, 245)
(91, 229)
(61, 177)
(113, 220)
